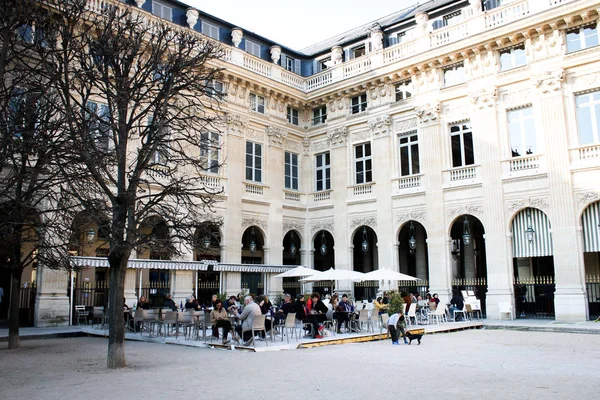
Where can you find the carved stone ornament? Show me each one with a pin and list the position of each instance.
(275, 53)
(534, 202)
(237, 124)
(236, 36)
(336, 55)
(371, 222)
(476, 6)
(470, 209)
(376, 37)
(306, 145)
(320, 146)
(248, 222)
(140, 3)
(192, 17)
(322, 226)
(292, 226)
(407, 125)
(276, 135)
(587, 197)
(483, 98)
(338, 136)
(419, 216)
(380, 125)
(428, 112)
(550, 81)
(585, 82)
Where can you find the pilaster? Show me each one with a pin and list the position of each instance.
(182, 285)
(131, 283)
(52, 300)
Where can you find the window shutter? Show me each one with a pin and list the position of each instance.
(347, 55)
(282, 60)
(315, 67)
(298, 67)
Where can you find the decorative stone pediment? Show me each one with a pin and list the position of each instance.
(326, 225)
(483, 98)
(369, 221)
(534, 202)
(276, 135)
(380, 125)
(292, 226)
(550, 81)
(587, 198)
(470, 209)
(585, 82)
(236, 123)
(428, 113)
(419, 216)
(253, 221)
(406, 125)
(320, 146)
(338, 136)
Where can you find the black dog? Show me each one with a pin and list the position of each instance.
(412, 336)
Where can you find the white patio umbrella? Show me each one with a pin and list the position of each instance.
(383, 274)
(335, 275)
(297, 272)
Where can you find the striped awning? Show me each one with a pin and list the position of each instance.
(141, 264)
(591, 228)
(541, 243)
(252, 268)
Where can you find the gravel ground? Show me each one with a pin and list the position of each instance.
(465, 365)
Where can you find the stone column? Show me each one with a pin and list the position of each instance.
(570, 303)
(131, 284)
(52, 301)
(431, 136)
(182, 285)
(497, 246)
(231, 244)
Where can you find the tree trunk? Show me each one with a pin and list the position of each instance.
(116, 322)
(15, 302)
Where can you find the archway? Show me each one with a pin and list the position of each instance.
(533, 264)
(207, 247)
(590, 221)
(365, 259)
(292, 243)
(156, 238)
(413, 257)
(469, 261)
(253, 253)
(323, 258)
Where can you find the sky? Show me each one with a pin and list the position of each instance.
(298, 24)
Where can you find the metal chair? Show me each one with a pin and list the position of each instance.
(411, 315)
(384, 320)
(82, 314)
(363, 319)
(98, 315)
(258, 325)
(288, 326)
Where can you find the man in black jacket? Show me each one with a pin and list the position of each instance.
(169, 303)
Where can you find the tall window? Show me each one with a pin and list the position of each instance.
(210, 30)
(582, 37)
(588, 118)
(454, 75)
(209, 151)
(162, 10)
(362, 163)
(358, 103)
(215, 88)
(323, 172)
(257, 103)
(358, 51)
(512, 57)
(253, 48)
(409, 154)
(521, 129)
(253, 161)
(291, 171)
(403, 90)
(461, 140)
(292, 116)
(98, 123)
(161, 155)
(319, 115)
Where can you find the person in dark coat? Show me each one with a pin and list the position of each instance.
(169, 303)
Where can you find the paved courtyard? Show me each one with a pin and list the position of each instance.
(479, 364)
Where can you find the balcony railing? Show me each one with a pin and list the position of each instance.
(524, 166)
(356, 67)
(589, 152)
(407, 182)
(292, 196)
(359, 190)
(255, 189)
(322, 196)
(524, 163)
(462, 176)
(257, 65)
(506, 14)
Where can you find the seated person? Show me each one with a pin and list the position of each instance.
(231, 304)
(343, 311)
(143, 303)
(457, 304)
(299, 308)
(219, 319)
(251, 309)
(169, 303)
(287, 306)
(317, 315)
(192, 304)
(380, 306)
(213, 300)
(265, 307)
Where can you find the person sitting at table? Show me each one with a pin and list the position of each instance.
(231, 304)
(342, 314)
(213, 300)
(219, 319)
(143, 303)
(251, 309)
(192, 304)
(169, 303)
(335, 301)
(125, 306)
(456, 304)
(317, 315)
(265, 308)
(435, 299)
(285, 308)
(407, 297)
(299, 308)
(378, 303)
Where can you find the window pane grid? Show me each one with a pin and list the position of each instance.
(362, 163)
(461, 141)
(253, 162)
(409, 154)
(291, 171)
(323, 172)
(588, 118)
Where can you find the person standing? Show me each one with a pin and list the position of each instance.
(396, 325)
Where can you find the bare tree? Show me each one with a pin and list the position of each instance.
(31, 144)
(142, 117)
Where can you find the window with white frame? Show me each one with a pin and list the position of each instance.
(210, 30)
(454, 75)
(215, 88)
(292, 115)
(582, 37)
(521, 130)
(363, 163)
(289, 64)
(323, 172)
(291, 171)
(322, 64)
(162, 10)
(159, 134)
(461, 143)
(403, 90)
(253, 161)
(409, 153)
(397, 38)
(319, 115)
(257, 103)
(253, 48)
(358, 51)
(98, 118)
(358, 103)
(588, 118)
(209, 151)
(512, 57)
